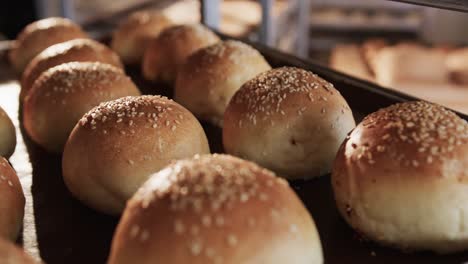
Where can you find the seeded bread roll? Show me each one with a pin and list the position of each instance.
(132, 36)
(7, 135)
(170, 49)
(215, 209)
(11, 254)
(288, 120)
(119, 144)
(12, 207)
(38, 36)
(401, 176)
(211, 76)
(74, 50)
(63, 94)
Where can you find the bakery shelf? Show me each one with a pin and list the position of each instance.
(456, 5)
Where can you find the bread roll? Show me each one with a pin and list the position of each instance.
(69, 51)
(12, 207)
(11, 254)
(132, 36)
(117, 145)
(458, 66)
(410, 63)
(215, 209)
(288, 120)
(170, 49)
(211, 76)
(7, 135)
(401, 176)
(38, 36)
(63, 94)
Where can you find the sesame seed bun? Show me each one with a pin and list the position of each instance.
(211, 76)
(63, 94)
(117, 145)
(38, 36)
(400, 178)
(11, 254)
(74, 50)
(170, 49)
(288, 120)
(132, 36)
(7, 135)
(215, 209)
(12, 207)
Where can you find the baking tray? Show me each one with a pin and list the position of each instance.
(59, 229)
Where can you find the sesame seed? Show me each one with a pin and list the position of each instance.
(196, 248)
(144, 235)
(293, 228)
(206, 220)
(232, 240)
(134, 231)
(10, 183)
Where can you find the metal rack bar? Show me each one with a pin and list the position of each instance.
(210, 10)
(266, 28)
(456, 5)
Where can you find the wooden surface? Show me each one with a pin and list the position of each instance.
(59, 229)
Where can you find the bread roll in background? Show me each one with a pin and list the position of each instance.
(7, 135)
(170, 49)
(457, 64)
(215, 209)
(132, 36)
(401, 176)
(38, 36)
(370, 50)
(11, 254)
(410, 63)
(12, 207)
(288, 120)
(211, 76)
(69, 51)
(63, 94)
(119, 144)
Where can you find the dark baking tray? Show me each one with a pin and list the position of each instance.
(61, 230)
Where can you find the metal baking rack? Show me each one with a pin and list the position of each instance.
(456, 5)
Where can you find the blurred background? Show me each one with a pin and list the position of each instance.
(414, 49)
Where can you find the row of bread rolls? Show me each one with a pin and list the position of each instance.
(291, 121)
(288, 120)
(116, 146)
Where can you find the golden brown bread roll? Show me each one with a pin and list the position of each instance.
(288, 120)
(38, 36)
(215, 209)
(170, 49)
(12, 207)
(117, 145)
(211, 76)
(69, 51)
(133, 34)
(7, 135)
(11, 254)
(401, 176)
(64, 93)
